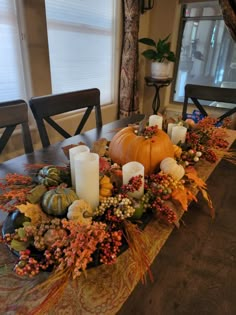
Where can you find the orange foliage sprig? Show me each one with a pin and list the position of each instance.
(192, 175)
(138, 246)
(14, 189)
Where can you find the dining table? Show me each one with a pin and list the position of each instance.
(193, 266)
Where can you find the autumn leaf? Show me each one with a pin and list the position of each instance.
(191, 173)
(190, 195)
(70, 146)
(209, 202)
(100, 146)
(180, 195)
(184, 197)
(33, 211)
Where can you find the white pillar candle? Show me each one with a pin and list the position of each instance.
(87, 177)
(72, 153)
(130, 170)
(178, 134)
(156, 120)
(169, 128)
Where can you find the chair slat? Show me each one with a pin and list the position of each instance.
(6, 136)
(44, 107)
(208, 93)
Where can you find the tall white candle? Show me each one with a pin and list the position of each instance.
(178, 134)
(156, 120)
(87, 177)
(130, 170)
(169, 128)
(72, 153)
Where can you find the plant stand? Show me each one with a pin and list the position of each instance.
(157, 83)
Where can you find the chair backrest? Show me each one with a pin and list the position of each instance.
(13, 113)
(208, 93)
(44, 107)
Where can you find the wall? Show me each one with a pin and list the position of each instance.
(163, 20)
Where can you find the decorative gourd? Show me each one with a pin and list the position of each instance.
(56, 201)
(170, 166)
(190, 122)
(105, 189)
(35, 194)
(177, 151)
(80, 211)
(127, 146)
(49, 176)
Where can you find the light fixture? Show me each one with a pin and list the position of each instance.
(146, 5)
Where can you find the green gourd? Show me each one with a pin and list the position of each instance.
(49, 176)
(56, 201)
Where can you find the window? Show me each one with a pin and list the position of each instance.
(12, 85)
(207, 52)
(81, 41)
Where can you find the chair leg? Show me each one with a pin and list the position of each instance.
(27, 138)
(185, 105)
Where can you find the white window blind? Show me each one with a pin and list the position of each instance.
(12, 84)
(81, 37)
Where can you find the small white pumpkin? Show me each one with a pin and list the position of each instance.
(170, 166)
(80, 211)
(167, 163)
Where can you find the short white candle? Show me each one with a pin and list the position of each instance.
(178, 134)
(72, 153)
(156, 120)
(130, 170)
(169, 128)
(87, 177)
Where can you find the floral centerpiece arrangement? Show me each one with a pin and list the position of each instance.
(53, 229)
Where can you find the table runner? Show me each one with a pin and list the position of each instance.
(103, 290)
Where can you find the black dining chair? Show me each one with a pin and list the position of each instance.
(13, 114)
(208, 93)
(44, 107)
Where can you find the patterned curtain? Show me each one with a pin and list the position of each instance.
(128, 90)
(228, 8)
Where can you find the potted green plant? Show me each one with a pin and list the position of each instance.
(160, 54)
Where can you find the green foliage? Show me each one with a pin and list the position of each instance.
(161, 50)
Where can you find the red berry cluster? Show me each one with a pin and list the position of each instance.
(27, 265)
(162, 185)
(112, 219)
(210, 156)
(193, 139)
(110, 248)
(218, 143)
(134, 184)
(150, 131)
(164, 212)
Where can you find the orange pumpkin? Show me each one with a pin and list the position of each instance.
(127, 146)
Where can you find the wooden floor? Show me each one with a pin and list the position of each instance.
(195, 272)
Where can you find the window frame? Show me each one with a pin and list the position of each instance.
(182, 21)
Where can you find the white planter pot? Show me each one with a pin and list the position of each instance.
(160, 70)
